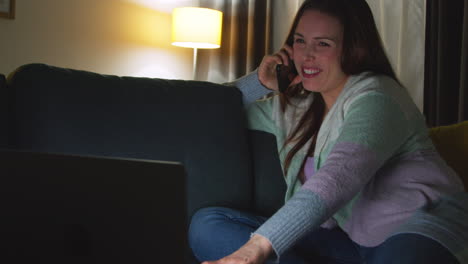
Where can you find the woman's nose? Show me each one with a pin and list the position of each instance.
(310, 51)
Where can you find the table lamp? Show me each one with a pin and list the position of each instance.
(197, 28)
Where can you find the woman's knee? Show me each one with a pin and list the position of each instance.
(209, 215)
(201, 220)
(202, 214)
(201, 231)
(215, 232)
(223, 215)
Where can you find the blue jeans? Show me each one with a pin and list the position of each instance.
(216, 232)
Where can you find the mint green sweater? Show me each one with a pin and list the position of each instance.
(377, 172)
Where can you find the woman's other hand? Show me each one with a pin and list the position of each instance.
(267, 68)
(255, 251)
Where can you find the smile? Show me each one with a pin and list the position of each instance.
(310, 72)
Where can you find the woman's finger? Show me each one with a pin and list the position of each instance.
(297, 79)
(289, 50)
(286, 54)
(283, 55)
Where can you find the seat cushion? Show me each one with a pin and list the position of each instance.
(269, 183)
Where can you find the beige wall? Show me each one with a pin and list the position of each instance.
(105, 36)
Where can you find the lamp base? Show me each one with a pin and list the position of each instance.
(194, 63)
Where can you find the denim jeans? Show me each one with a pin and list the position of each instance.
(216, 232)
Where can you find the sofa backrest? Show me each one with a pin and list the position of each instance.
(200, 124)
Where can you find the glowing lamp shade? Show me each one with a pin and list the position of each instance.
(195, 27)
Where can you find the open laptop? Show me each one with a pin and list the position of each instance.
(76, 209)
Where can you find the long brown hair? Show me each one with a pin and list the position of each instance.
(362, 51)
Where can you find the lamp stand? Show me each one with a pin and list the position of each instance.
(194, 62)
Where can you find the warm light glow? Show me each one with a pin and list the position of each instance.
(194, 27)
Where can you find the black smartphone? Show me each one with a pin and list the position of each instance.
(283, 75)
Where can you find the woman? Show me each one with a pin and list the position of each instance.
(364, 182)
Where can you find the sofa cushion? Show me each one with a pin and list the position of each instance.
(452, 143)
(269, 183)
(200, 124)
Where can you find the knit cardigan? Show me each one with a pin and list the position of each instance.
(377, 172)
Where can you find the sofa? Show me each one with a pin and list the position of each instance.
(200, 124)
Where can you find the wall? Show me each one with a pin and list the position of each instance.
(118, 37)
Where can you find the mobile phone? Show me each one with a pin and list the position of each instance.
(282, 76)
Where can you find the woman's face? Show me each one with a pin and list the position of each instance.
(317, 52)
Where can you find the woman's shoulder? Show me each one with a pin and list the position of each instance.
(369, 81)
(370, 84)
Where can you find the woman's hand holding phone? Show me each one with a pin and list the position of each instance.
(268, 72)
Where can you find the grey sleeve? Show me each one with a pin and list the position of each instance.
(304, 212)
(250, 87)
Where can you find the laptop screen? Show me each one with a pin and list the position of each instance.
(76, 209)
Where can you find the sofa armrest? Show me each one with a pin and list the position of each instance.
(452, 143)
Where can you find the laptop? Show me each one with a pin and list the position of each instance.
(86, 209)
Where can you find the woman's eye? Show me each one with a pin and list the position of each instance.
(323, 44)
(298, 41)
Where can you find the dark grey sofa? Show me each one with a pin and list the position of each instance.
(201, 124)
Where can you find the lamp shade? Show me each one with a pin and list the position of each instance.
(195, 27)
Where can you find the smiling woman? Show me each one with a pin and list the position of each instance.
(318, 45)
(363, 178)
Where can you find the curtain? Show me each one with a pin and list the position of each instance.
(283, 16)
(446, 86)
(253, 28)
(401, 24)
(245, 40)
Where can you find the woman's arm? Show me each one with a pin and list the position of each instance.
(263, 80)
(251, 87)
(373, 129)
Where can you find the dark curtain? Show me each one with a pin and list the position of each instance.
(245, 40)
(446, 85)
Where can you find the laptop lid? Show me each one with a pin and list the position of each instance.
(76, 209)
